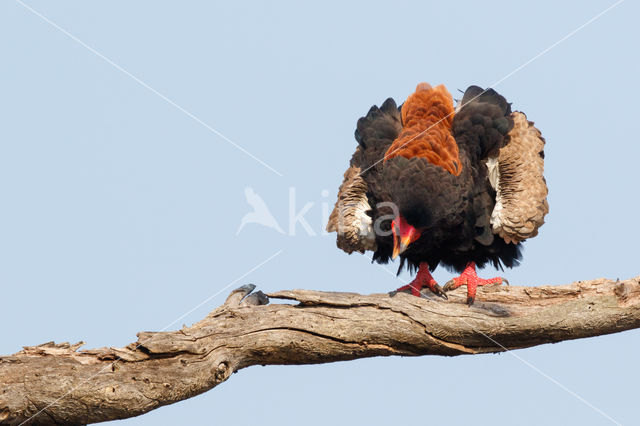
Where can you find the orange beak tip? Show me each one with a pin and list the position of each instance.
(398, 249)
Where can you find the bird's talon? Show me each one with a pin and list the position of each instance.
(451, 285)
(470, 279)
(440, 292)
(422, 280)
(444, 183)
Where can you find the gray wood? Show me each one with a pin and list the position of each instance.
(58, 383)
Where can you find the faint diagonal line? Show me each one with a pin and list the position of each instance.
(546, 376)
(558, 42)
(107, 367)
(223, 289)
(143, 84)
(524, 361)
(498, 82)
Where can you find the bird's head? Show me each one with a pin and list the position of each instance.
(403, 235)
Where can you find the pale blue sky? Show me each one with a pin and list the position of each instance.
(120, 211)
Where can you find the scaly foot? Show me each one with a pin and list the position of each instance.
(470, 278)
(423, 279)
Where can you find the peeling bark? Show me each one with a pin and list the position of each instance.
(60, 384)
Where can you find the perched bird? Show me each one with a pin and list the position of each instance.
(436, 185)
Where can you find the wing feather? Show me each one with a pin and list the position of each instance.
(361, 188)
(517, 176)
(349, 217)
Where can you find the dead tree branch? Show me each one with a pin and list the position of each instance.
(59, 384)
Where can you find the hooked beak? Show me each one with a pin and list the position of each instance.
(401, 246)
(403, 235)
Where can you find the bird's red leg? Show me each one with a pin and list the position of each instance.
(423, 279)
(470, 278)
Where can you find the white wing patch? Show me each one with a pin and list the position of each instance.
(363, 222)
(349, 217)
(494, 172)
(494, 180)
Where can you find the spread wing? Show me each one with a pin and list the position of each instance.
(349, 217)
(517, 176)
(481, 126)
(352, 216)
(515, 164)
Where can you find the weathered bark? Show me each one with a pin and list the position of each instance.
(60, 384)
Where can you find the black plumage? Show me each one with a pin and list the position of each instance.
(439, 187)
(453, 212)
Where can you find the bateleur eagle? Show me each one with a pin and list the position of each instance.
(434, 185)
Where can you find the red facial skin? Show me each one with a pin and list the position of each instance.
(403, 235)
